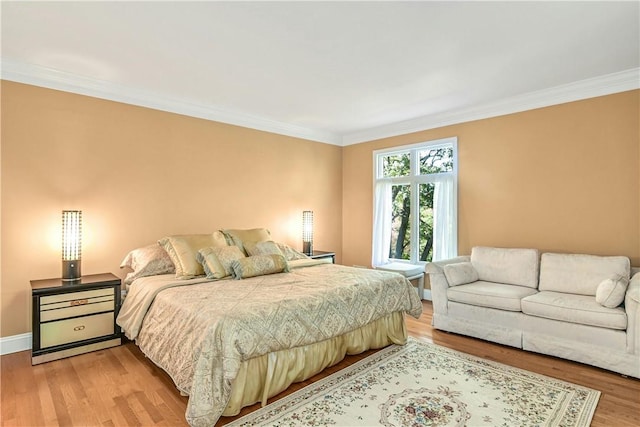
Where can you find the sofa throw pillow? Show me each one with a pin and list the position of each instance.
(610, 292)
(460, 273)
(182, 250)
(216, 262)
(147, 261)
(258, 266)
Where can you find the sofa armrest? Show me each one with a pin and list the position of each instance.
(438, 282)
(437, 266)
(632, 307)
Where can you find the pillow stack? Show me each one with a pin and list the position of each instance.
(231, 252)
(182, 250)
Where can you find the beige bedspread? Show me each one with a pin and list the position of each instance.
(200, 333)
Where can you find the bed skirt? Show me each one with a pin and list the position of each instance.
(265, 376)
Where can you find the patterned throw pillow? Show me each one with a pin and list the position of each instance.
(258, 266)
(268, 247)
(147, 261)
(289, 253)
(216, 262)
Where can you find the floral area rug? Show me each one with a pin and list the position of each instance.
(422, 384)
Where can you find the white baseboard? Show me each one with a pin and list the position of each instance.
(427, 294)
(15, 343)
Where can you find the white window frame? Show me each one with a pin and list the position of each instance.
(414, 180)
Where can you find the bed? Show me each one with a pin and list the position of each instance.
(231, 343)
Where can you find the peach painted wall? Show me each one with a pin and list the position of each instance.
(564, 178)
(138, 175)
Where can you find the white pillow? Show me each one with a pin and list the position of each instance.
(460, 273)
(610, 292)
(147, 261)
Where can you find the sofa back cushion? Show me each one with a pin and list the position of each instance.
(509, 266)
(579, 274)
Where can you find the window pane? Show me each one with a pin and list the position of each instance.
(396, 165)
(425, 239)
(400, 226)
(436, 160)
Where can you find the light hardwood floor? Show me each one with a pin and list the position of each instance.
(119, 387)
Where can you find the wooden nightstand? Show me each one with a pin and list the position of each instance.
(71, 319)
(323, 254)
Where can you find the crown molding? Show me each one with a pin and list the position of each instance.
(59, 80)
(67, 82)
(583, 89)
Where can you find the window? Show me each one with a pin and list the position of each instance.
(415, 212)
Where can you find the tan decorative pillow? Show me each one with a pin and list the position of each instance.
(237, 237)
(216, 262)
(460, 273)
(268, 247)
(258, 266)
(182, 250)
(291, 254)
(147, 261)
(611, 292)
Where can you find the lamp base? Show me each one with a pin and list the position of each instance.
(307, 248)
(71, 271)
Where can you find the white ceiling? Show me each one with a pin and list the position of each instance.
(337, 72)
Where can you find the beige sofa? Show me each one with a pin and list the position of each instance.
(578, 307)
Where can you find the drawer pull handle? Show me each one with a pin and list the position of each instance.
(79, 302)
(78, 328)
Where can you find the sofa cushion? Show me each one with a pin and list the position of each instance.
(579, 274)
(510, 266)
(460, 273)
(492, 295)
(581, 309)
(611, 291)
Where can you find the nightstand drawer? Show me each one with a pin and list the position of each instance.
(71, 299)
(83, 307)
(78, 329)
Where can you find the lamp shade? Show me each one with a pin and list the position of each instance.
(307, 232)
(71, 244)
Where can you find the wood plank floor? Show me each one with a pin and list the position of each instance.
(120, 387)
